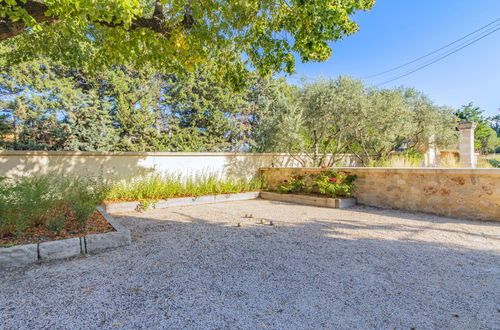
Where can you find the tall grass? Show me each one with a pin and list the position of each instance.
(448, 159)
(157, 186)
(404, 159)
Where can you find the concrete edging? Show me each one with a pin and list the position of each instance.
(180, 201)
(339, 203)
(22, 255)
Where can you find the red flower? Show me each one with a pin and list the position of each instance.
(295, 177)
(324, 166)
(285, 180)
(332, 179)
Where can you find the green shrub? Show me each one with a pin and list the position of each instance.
(39, 200)
(295, 184)
(25, 203)
(145, 205)
(494, 162)
(334, 184)
(83, 195)
(330, 182)
(83, 211)
(402, 159)
(6, 245)
(56, 224)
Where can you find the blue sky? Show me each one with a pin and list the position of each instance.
(397, 31)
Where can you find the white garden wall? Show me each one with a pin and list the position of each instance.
(129, 164)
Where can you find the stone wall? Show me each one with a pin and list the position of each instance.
(460, 193)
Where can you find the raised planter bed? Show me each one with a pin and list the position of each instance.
(22, 255)
(180, 201)
(339, 203)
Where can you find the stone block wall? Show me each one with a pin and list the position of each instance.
(460, 193)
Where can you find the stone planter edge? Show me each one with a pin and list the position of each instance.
(180, 201)
(23, 255)
(340, 203)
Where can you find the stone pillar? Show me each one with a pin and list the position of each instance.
(466, 144)
(431, 156)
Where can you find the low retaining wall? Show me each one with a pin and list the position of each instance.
(461, 193)
(322, 201)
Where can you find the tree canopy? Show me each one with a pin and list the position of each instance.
(179, 34)
(49, 106)
(485, 135)
(341, 115)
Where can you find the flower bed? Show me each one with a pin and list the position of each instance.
(48, 207)
(161, 186)
(43, 208)
(330, 183)
(96, 224)
(18, 255)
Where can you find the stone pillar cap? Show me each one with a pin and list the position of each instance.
(466, 124)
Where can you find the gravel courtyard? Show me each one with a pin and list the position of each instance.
(193, 267)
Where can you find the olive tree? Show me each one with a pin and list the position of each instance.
(328, 118)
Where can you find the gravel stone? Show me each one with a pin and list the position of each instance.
(192, 267)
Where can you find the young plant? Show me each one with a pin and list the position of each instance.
(56, 224)
(145, 205)
(83, 211)
(83, 195)
(25, 203)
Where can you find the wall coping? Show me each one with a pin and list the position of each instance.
(129, 153)
(411, 170)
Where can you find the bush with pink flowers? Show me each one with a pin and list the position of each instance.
(334, 183)
(331, 183)
(294, 184)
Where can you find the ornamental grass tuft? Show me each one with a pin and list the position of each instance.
(156, 186)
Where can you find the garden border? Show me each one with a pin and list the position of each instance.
(23, 255)
(180, 201)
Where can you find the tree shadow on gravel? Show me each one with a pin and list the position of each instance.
(188, 270)
(415, 221)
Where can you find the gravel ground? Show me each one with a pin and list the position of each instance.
(193, 267)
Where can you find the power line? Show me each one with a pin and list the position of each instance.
(439, 58)
(431, 53)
